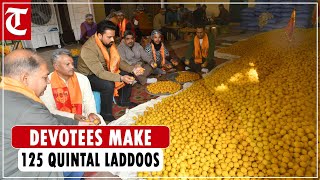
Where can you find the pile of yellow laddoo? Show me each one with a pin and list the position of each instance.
(255, 116)
(186, 76)
(164, 87)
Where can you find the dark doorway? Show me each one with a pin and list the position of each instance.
(235, 10)
(108, 7)
(65, 23)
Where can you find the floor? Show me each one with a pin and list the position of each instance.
(177, 48)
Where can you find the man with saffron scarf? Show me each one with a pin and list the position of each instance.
(69, 93)
(200, 53)
(159, 54)
(123, 25)
(100, 61)
(25, 79)
(88, 28)
(134, 54)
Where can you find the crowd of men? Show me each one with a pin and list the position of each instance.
(33, 96)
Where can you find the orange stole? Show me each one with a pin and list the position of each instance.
(291, 25)
(200, 51)
(16, 86)
(66, 101)
(122, 27)
(113, 63)
(163, 61)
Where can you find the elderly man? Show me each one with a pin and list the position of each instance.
(100, 61)
(25, 79)
(200, 53)
(88, 28)
(69, 93)
(134, 54)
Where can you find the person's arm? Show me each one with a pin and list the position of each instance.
(93, 63)
(48, 99)
(38, 114)
(144, 55)
(122, 51)
(88, 102)
(83, 31)
(148, 50)
(125, 66)
(190, 50)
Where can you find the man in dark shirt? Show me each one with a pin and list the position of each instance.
(198, 16)
(224, 16)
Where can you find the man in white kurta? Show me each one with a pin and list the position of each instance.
(63, 66)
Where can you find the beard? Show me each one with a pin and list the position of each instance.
(108, 45)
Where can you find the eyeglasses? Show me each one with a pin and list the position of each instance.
(89, 18)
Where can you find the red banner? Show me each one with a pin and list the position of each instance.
(17, 20)
(90, 137)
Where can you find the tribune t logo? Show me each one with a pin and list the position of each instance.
(15, 13)
(17, 22)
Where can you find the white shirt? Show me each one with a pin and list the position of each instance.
(201, 40)
(88, 102)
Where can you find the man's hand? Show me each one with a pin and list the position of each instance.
(79, 117)
(154, 65)
(127, 79)
(138, 70)
(168, 66)
(174, 62)
(187, 62)
(205, 64)
(94, 118)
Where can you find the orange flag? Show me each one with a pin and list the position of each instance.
(291, 24)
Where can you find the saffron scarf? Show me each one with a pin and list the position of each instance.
(67, 98)
(122, 27)
(16, 86)
(163, 61)
(113, 63)
(200, 51)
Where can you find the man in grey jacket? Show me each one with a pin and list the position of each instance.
(134, 54)
(25, 79)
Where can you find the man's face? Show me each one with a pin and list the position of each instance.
(64, 65)
(107, 38)
(120, 17)
(89, 20)
(200, 33)
(157, 38)
(38, 80)
(129, 40)
(162, 12)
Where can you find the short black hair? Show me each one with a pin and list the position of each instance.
(105, 25)
(127, 33)
(200, 26)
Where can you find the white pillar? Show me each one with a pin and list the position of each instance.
(162, 5)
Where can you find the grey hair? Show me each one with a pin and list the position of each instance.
(58, 52)
(88, 15)
(22, 64)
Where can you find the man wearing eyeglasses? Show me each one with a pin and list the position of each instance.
(88, 28)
